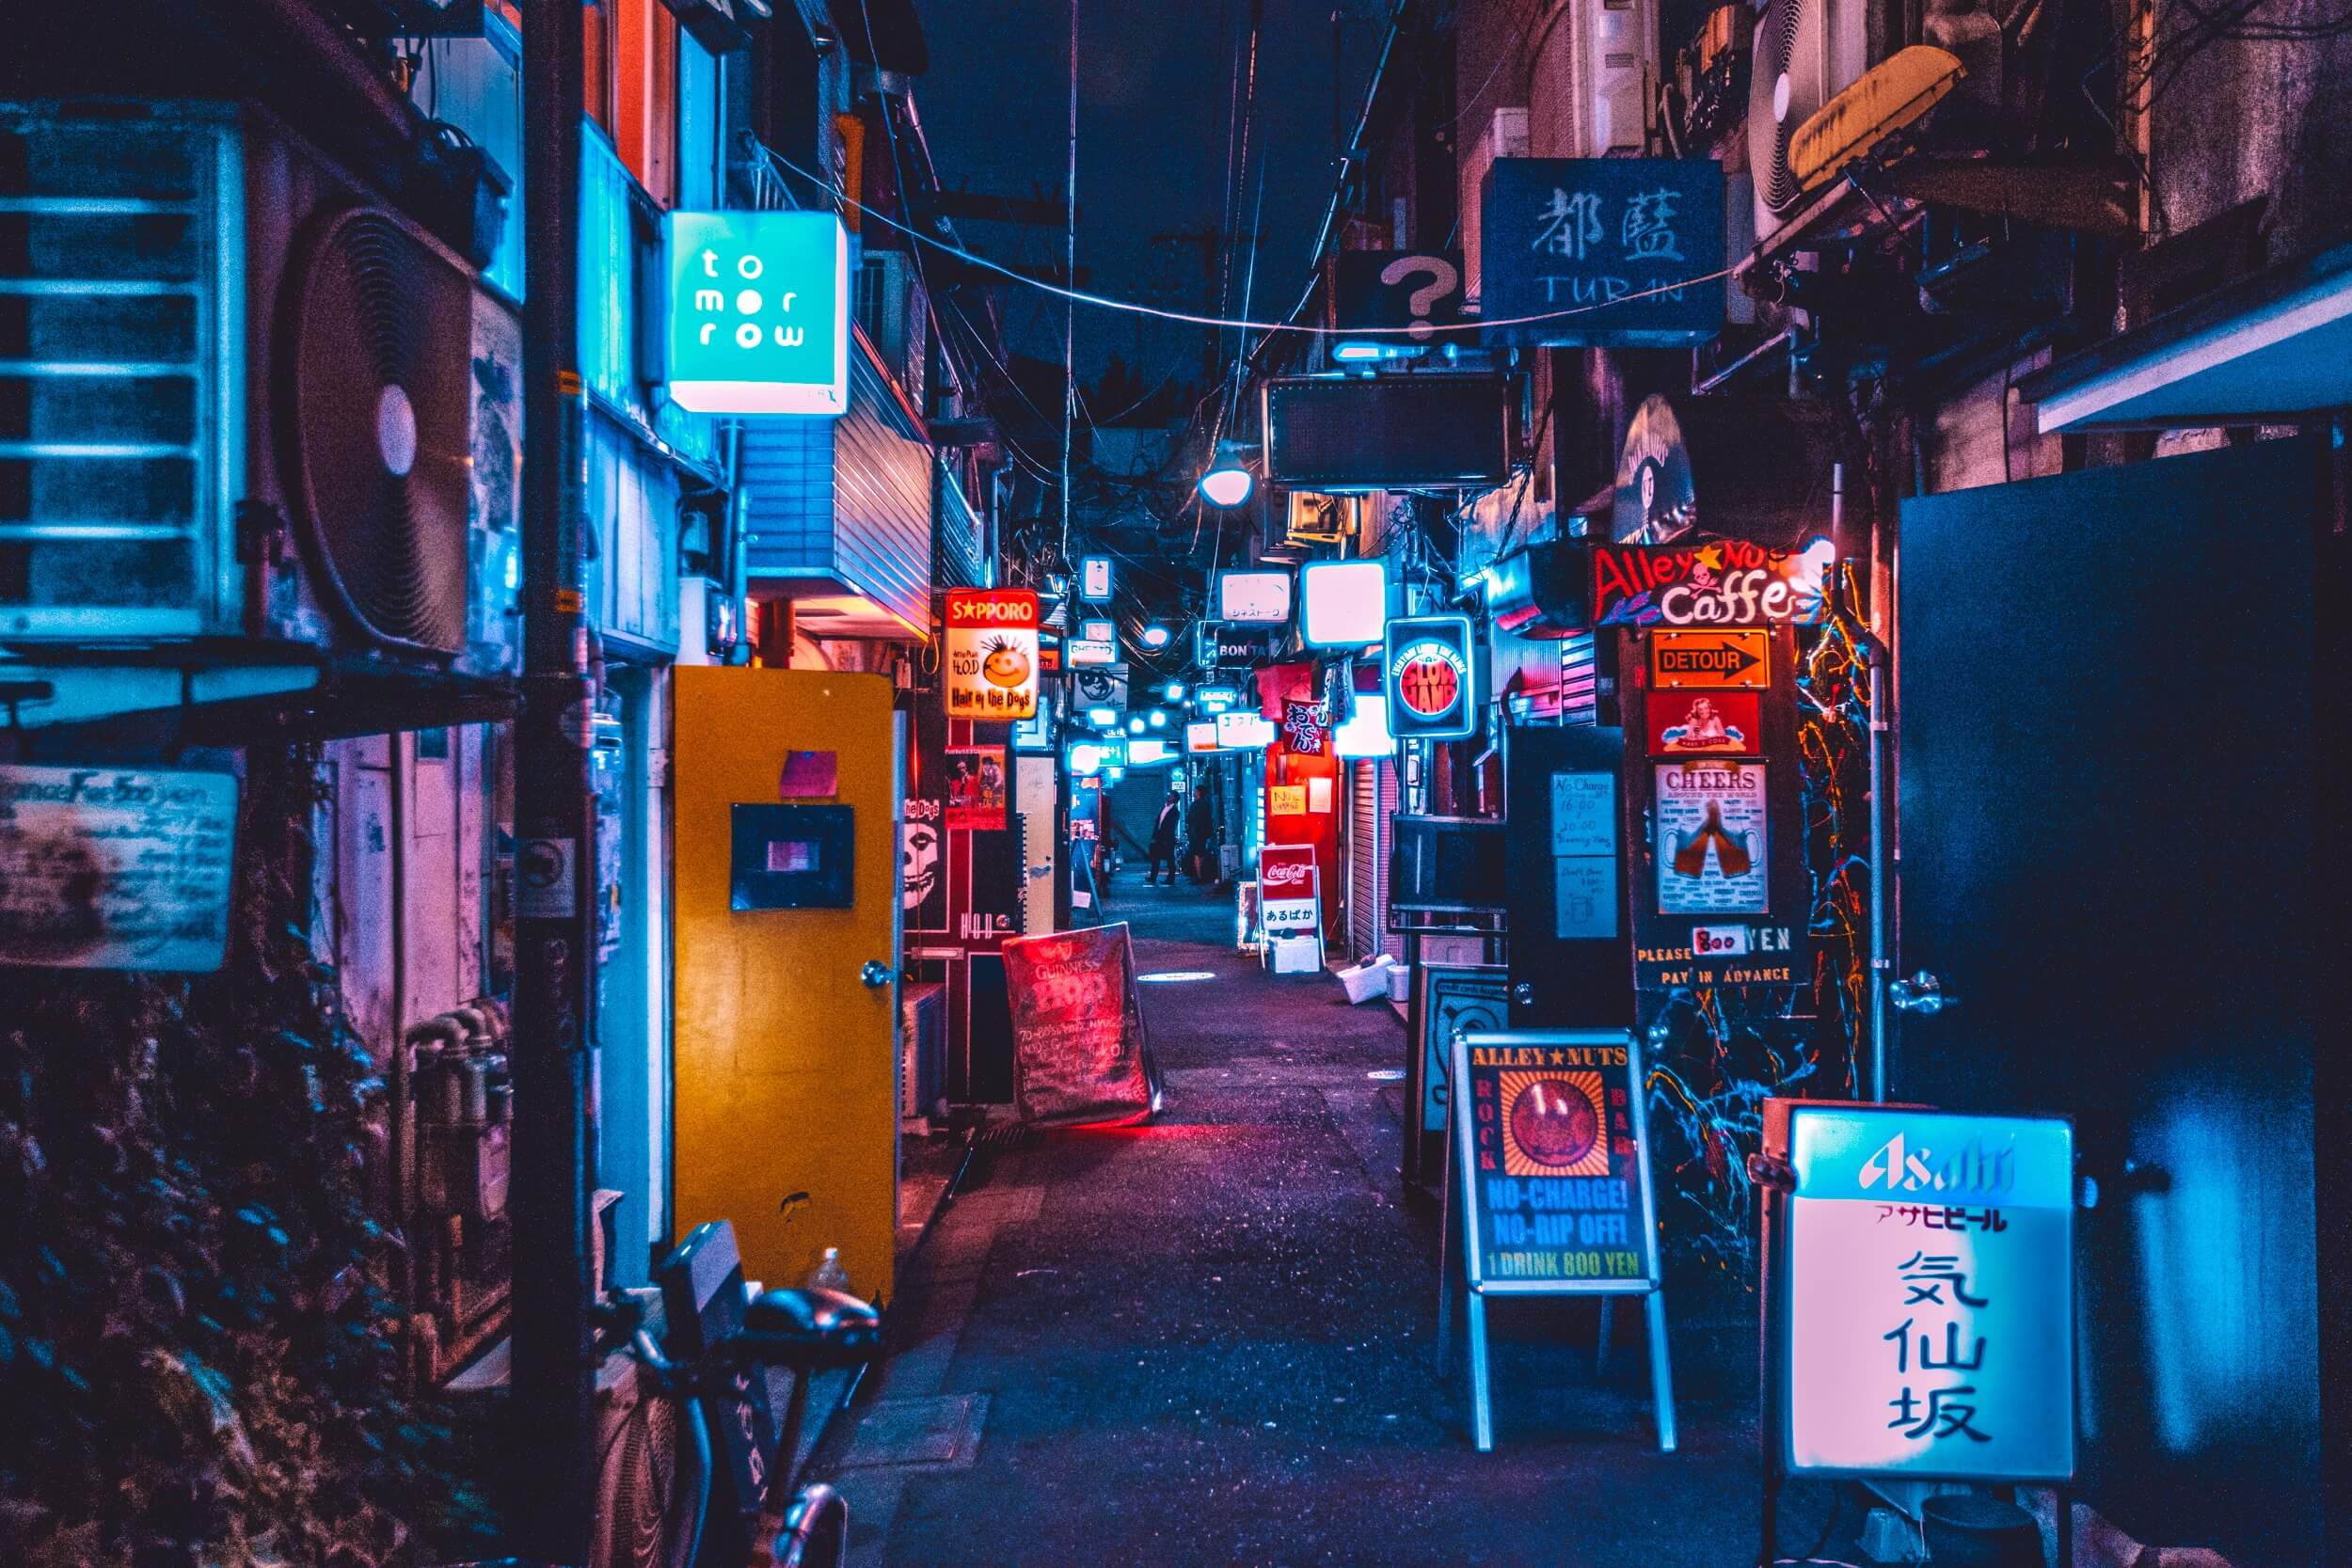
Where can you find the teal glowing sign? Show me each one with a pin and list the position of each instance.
(759, 314)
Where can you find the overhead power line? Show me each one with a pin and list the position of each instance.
(1104, 302)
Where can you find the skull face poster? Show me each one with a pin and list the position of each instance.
(923, 867)
(1710, 850)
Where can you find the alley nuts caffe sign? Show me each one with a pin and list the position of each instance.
(991, 653)
(1714, 582)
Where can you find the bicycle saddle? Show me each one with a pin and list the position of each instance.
(809, 1328)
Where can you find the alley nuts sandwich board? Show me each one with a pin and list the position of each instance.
(1549, 1167)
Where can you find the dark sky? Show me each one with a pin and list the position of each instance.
(1155, 80)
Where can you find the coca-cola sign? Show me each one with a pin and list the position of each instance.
(1289, 900)
(1714, 582)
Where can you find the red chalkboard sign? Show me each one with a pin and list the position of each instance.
(1079, 1056)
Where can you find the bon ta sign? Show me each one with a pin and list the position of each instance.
(758, 316)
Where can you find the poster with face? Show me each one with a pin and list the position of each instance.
(923, 867)
(976, 788)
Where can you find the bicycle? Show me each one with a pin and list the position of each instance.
(717, 1510)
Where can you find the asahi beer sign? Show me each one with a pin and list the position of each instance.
(1711, 851)
(1718, 582)
(1926, 1318)
(991, 653)
(115, 867)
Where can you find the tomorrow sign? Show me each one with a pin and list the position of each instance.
(759, 313)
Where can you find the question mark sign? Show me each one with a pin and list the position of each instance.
(1443, 278)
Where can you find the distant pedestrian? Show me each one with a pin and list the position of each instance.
(1164, 840)
(1201, 838)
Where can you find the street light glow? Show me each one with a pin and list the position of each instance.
(1227, 486)
(1156, 636)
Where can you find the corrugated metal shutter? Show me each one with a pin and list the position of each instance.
(1371, 801)
(1580, 681)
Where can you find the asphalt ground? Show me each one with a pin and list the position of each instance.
(1212, 1339)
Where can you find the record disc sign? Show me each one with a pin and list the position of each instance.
(1430, 671)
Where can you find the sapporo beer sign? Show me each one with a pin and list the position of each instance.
(991, 653)
(1922, 1315)
(1713, 583)
(1429, 668)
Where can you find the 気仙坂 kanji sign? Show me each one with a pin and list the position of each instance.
(1923, 1312)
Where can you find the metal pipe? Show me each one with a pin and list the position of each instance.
(554, 1015)
(1874, 653)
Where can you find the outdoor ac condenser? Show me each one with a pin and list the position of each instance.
(257, 401)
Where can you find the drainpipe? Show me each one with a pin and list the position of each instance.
(1874, 653)
(554, 1013)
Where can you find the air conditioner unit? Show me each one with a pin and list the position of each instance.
(239, 396)
(1613, 68)
(1805, 51)
(1505, 136)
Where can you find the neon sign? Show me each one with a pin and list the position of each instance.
(1717, 582)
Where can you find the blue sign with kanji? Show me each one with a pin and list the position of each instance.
(1602, 252)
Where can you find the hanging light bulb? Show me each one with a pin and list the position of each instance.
(1228, 485)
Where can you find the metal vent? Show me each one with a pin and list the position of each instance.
(110, 334)
(374, 402)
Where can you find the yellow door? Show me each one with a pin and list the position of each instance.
(787, 921)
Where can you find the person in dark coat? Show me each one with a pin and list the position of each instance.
(1201, 838)
(1164, 840)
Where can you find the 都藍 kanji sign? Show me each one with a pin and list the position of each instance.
(1606, 248)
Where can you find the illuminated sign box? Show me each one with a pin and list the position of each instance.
(1922, 1315)
(1343, 604)
(1200, 736)
(990, 653)
(1250, 732)
(759, 313)
(1429, 664)
(1257, 596)
(1094, 578)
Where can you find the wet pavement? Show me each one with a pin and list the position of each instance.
(1212, 1339)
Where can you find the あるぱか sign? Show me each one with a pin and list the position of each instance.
(1428, 664)
(1716, 582)
(759, 313)
(1289, 890)
(991, 653)
(1922, 1317)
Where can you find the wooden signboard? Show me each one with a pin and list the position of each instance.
(1549, 1188)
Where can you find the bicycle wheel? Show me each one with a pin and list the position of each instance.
(652, 1486)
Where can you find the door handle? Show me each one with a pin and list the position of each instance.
(1923, 994)
(875, 975)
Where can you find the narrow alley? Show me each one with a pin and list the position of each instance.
(1212, 1339)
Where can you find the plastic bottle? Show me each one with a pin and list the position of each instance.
(829, 1275)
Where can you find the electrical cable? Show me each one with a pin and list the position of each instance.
(1104, 302)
